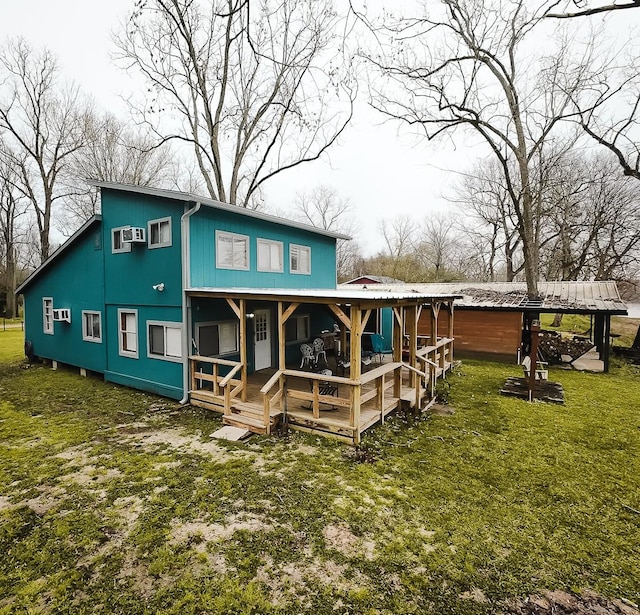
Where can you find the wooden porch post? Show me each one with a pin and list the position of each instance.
(435, 307)
(535, 330)
(355, 369)
(412, 331)
(282, 359)
(281, 338)
(243, 346)
(450, 334)
(607, 342)
(398, 334)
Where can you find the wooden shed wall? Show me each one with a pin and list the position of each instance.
(479, 331)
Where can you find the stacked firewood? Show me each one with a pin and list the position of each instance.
(553, 346)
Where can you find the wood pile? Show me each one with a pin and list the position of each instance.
(552, 346)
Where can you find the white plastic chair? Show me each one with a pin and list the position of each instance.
(319, 351)
(308, 359)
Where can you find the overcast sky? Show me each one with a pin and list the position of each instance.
(382, 172)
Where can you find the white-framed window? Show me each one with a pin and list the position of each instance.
(159, 233)
(47, 315)
(297, 328)
(164, 340)
(128, 333)
(232, 251)
(299, 259)
(117, 245)
(270, 255)
(217, 338)
(91, 326)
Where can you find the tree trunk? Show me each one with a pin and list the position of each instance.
(557, 320)
(10, 282)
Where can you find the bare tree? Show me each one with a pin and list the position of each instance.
(323, 208)
(247, 85)
(117, 153)
(399, 235)
(611, 116)
(491, 222)
(584, 10)
(43, 124)
(470, 65)
(399, 259)
(436, 243)
(12, 208)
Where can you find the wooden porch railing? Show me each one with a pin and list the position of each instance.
(384, 377)
(291, 384)
(226, 387)
(285, 391)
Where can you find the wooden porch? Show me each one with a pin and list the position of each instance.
(334, 406)
(338, 406)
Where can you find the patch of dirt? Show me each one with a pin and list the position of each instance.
(90, 475)
(293, 579)
(215, 532)
(5, 504)
(475, 594)
(306, 449)
(129, 428)
(42, 504)
(564, 603)
(135, 572)
(129, 508)
(442, 410)
(49, 498)
(180, 440)
(342, 539)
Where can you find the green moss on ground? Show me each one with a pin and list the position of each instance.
(117, 501)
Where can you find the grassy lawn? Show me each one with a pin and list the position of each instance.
(114, 501)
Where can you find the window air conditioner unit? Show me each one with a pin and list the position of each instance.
(62, 314)
(133, 234)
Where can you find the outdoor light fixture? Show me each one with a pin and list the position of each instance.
(158, 287)
(251, 315)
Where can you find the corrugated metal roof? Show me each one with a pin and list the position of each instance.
(343, 294)
(567, 296)
(207, 202)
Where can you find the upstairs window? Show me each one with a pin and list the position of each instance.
(91, 326)
(128, 333)
(270, 255)
(232, 251)
(117, 245)
(159, 233)
(47, 315)
(165, 340)
(299, 259)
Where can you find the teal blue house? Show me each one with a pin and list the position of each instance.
(187, 297)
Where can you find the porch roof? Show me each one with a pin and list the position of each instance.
(327, 295)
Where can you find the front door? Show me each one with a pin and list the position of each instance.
(262, 324)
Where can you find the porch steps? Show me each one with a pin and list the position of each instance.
(408, 397)
(251, 417)
(206, 399)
